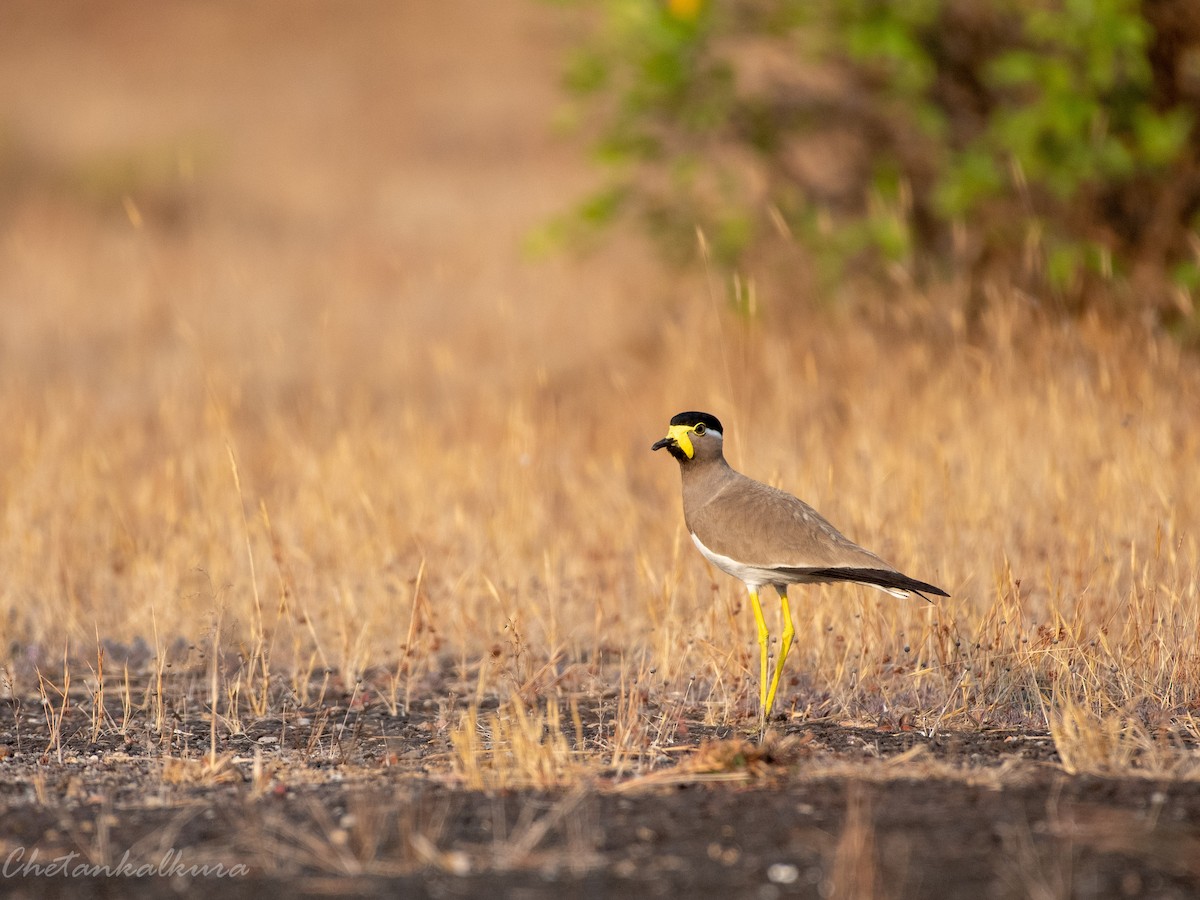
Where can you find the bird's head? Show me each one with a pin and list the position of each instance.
(693, 436)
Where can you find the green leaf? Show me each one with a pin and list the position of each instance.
(602, 207)
(1161, 137)
(972, 177)
(1015, 69)
(1063, 265)
(587, 72)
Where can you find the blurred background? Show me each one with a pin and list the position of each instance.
(209, 169)
(291, 237)
(351, 324)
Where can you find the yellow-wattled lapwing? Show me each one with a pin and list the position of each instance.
(762, 535)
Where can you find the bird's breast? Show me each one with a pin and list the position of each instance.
(747, 574)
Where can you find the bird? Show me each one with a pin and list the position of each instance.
(762, 536)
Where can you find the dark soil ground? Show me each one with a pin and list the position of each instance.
(347, 799)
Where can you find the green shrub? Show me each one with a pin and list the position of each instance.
(1051, 142)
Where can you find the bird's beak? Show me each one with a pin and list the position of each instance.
(677, 437)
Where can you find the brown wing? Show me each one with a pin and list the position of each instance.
(759, 525)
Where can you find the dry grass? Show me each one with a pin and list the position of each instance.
(853, 870)
(514, 747)
(307, 435)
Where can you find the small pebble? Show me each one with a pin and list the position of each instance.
(782, 873)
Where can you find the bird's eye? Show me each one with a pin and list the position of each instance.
(700, 429)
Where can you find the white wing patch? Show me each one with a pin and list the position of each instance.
(751, 576)
(755, 577)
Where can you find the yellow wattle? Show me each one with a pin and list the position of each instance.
(680, 435)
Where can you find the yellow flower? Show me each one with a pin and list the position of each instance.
(685, 10)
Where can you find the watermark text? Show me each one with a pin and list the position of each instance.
(30, 864)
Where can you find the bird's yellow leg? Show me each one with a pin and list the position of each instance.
(763, 636)
(785, 644)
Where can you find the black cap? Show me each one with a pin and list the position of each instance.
(711, 422)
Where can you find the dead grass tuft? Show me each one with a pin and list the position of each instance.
(514, 747)
(854, 868)
(207, 771)
(1117, 744)
(757, 759)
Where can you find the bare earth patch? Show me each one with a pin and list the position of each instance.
(346, 797)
